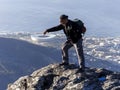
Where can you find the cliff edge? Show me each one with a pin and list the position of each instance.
(58, 77)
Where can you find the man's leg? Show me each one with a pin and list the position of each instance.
(79, 50)
(66, 46)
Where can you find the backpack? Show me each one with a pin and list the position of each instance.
(81, 24)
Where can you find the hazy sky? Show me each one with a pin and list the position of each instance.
(36, 15)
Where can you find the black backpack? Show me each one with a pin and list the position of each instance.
(81, 24)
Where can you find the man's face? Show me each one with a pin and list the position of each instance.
(63, 21)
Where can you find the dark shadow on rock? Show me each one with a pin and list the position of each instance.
(45, 82)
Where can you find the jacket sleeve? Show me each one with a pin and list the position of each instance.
(56, 28)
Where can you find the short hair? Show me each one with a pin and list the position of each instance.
(63, 16)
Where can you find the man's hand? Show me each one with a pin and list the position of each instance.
(45, 32)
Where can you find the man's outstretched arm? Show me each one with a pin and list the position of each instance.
(56, 28)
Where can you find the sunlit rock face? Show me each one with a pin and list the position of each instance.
(60, 77)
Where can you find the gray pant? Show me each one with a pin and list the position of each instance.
(79, 50)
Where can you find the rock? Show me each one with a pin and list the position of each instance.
(58, 77)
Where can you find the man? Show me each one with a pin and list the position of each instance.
(74, 38)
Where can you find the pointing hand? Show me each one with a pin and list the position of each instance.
(45, 32)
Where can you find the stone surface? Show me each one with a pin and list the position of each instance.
(57, 77)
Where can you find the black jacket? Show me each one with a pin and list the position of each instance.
(72, 31)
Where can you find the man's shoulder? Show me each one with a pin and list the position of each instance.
(72, 22)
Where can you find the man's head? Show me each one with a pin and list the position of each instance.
(63, 19)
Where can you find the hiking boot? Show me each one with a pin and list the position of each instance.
(64, 63)
(80, 70)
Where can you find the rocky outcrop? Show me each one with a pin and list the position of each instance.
(58, 77)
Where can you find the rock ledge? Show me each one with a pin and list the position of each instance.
(57, 77)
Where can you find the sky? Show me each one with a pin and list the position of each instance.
(100, 17)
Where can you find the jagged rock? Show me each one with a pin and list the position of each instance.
(57, 77)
